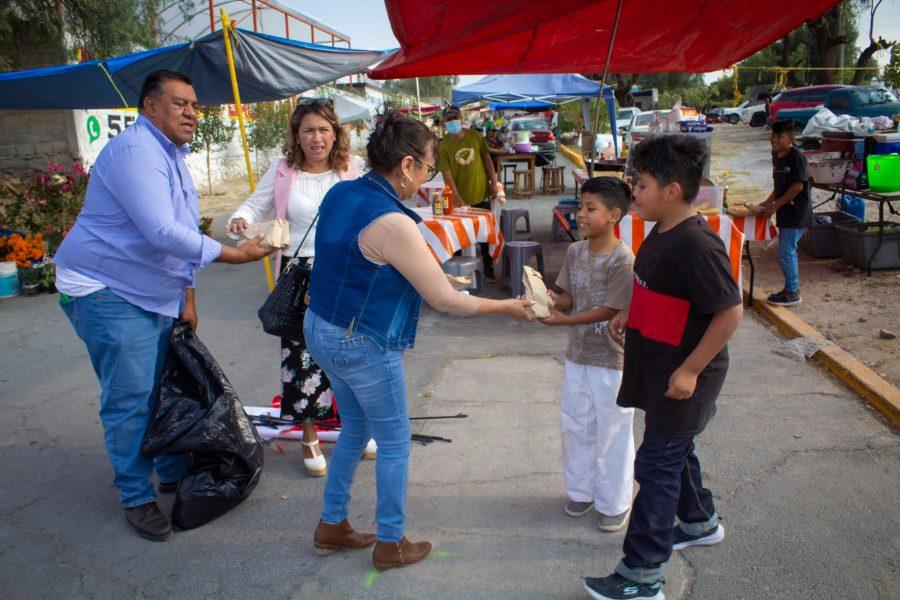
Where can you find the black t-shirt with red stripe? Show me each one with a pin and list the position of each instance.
(681, 279)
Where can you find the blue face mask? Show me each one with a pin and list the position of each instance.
(454, 127)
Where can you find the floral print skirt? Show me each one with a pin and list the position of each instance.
(305, 391)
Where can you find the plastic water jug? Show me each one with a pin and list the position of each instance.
(855, 206)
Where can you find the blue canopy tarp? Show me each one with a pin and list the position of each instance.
(557, 88)
(268, 68)
(523, 105)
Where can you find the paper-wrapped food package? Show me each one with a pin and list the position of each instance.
(458, 282)
(276, 233)
(536, 291)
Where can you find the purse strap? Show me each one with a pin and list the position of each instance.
(306, 235)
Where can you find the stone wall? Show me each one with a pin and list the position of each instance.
(31, 138)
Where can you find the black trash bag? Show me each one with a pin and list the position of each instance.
(199, 414)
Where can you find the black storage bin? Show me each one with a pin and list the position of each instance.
(859, 240)
(821, 239)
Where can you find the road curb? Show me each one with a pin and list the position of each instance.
(573, 156)
(874, 388)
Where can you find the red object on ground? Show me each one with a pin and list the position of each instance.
(802, 97)
(572, 36)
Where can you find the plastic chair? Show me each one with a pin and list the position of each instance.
(515, 256)
(557, 232)
(509, 221)
(466, 266)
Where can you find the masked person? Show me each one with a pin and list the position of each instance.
(464, 159)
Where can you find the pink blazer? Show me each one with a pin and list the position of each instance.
(284, 179)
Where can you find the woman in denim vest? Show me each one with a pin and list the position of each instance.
(371, 273)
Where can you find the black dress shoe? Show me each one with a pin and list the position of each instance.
(149, 522)
(167, 488)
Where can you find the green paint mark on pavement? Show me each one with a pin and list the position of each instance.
(370, 579)
(445, 553)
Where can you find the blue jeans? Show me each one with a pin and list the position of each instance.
(788, 238)
(127, 346)
(370, 392)
(668, 472)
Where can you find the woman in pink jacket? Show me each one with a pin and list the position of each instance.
(316, 156)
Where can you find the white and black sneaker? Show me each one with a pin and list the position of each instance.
(785, 298)
(616, 587)
(683, 540)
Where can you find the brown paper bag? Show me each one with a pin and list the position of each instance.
(276, 233)
(458, 283)
(536, 291)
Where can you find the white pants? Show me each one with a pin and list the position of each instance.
(597, 439)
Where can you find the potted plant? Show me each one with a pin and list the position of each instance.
(31, 278)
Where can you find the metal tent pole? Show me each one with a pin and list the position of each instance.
(596, 129)
(226, 31)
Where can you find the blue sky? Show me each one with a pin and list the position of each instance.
(366, 22)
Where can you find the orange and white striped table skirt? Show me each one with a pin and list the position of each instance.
(447, 234)
(733, 231)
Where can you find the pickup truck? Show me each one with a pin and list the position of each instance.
(864, 101)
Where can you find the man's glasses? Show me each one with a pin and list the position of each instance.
(432, 172)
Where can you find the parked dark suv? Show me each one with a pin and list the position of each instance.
(801, 97)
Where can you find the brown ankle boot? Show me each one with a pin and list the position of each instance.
(388, 555)
(329, 537)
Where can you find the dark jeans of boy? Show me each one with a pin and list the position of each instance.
(668, 472)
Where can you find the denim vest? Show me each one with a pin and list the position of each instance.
(347, 289)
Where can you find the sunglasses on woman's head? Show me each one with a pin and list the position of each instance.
(313, 102)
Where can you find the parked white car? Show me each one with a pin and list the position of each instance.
(733, 115)
(624, 117)
(640, 124)
(754, 115)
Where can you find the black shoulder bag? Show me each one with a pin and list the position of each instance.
(283, 311)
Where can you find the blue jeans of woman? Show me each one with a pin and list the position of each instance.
(127, 346)
(370, 392)
(788, 238)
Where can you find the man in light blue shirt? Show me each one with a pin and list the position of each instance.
(128, 269)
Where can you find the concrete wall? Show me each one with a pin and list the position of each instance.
(31, 138)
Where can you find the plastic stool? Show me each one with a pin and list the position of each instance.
(515, 256)
(466, 266)
(509, 221)
(557, 233)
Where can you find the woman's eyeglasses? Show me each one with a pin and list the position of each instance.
(432, 172)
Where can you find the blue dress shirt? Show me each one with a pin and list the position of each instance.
(138, 232)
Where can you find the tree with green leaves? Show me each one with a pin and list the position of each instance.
(212, 133)
(269, 126)
(45, 32)
(429, 87)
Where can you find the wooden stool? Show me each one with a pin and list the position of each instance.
(508, 174)
(552, 180)
(524, 187)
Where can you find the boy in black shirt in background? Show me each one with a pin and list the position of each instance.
(789, 202)
(685, 307)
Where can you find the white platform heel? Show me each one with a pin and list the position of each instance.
(315, 466)
(371, 450)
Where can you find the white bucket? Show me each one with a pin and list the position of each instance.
(9, 280)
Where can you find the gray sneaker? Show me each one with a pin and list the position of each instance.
(615, 522)
(577, 509)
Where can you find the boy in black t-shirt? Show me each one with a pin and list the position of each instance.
(685, 306)
(789, 202)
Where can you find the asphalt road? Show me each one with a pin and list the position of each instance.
(805, 475)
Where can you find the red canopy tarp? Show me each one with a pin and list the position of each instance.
(468, 37)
